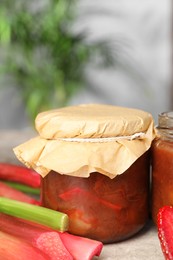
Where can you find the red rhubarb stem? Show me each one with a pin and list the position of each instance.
(21, 174)
(51, 242)
(15, 249)
(46, 240)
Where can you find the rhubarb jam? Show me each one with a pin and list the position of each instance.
(162, 165)
(98, 207)
(94, 160)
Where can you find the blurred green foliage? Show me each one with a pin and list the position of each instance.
(40, 52)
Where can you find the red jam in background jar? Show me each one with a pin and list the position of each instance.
(94, 160)
(162, 164)
(101, 208)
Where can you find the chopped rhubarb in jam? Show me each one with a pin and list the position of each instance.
(98, 207)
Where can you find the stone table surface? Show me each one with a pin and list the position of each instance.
(142, 246)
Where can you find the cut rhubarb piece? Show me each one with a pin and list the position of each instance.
(21, 174)
(48, 217)
(80, 247)
(165, 231)
(46, 240)
(11, 193)
(90, 215)
(52, 245)
(17, 249)
(78, 193)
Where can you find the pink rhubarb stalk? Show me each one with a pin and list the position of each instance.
(12, 248)
(56, 245)
(21, 174)
(81, 247)
(45, 240)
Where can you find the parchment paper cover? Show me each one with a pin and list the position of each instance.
(102, 140)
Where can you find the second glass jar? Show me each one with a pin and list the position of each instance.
(162, 164)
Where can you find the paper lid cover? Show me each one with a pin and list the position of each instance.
(92, 120)
(79, 140)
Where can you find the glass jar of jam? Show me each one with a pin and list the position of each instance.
(94, 160)
(162, 164)
(101, 208)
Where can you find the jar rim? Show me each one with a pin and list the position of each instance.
(165, 120)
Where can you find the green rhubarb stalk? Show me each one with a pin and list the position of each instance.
(41, 215)
(11, 193)
(23, 188)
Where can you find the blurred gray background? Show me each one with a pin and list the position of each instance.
(145, 28)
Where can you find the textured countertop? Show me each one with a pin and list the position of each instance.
(142, 246)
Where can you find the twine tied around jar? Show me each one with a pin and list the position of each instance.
(140, 135)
